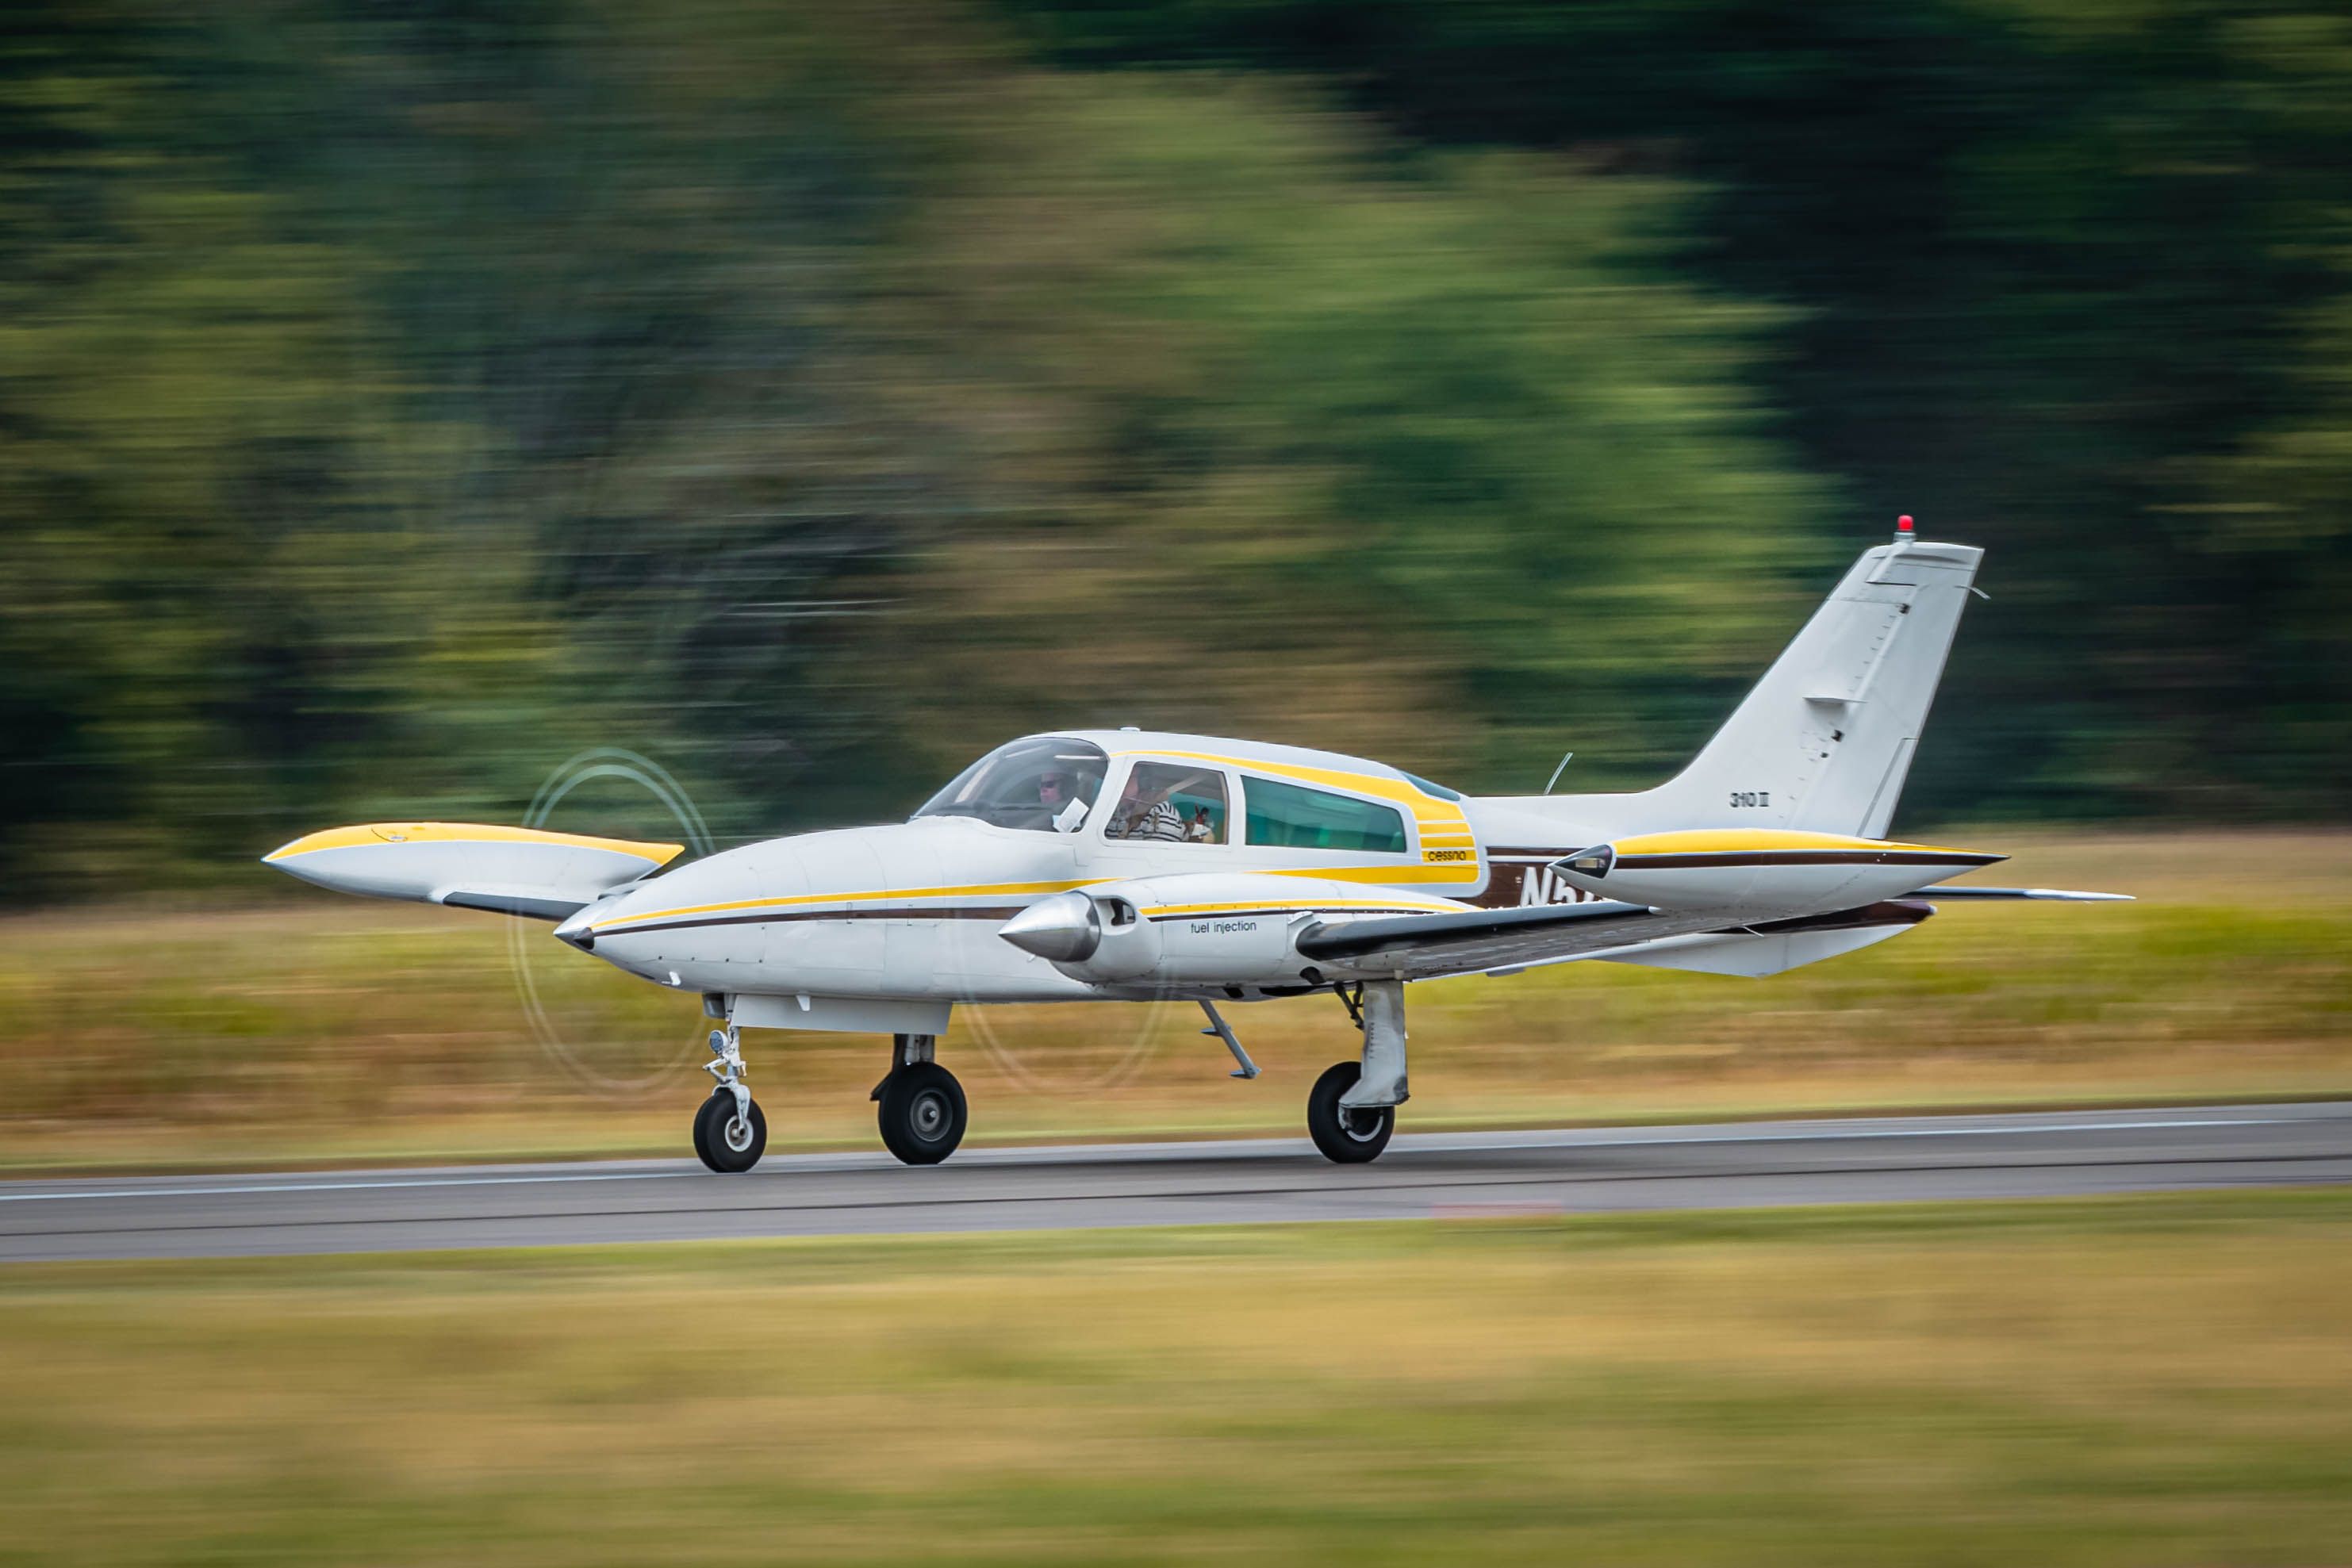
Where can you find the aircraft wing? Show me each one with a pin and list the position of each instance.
(1425, 946)
(528, 872)
(1429, 946)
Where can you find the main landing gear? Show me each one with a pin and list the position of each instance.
(919, 1105)
(1352, 1110)
(731, 1133)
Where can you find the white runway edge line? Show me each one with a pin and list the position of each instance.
(1432, 1143)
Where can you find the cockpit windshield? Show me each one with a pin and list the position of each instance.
(1047, 784)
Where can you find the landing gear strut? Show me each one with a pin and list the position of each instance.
(920, 1106)
(1352, 1110)
(731, 1133)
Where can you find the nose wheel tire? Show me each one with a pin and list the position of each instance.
(922, 1112)
(1346, 1138)
(729, 1143)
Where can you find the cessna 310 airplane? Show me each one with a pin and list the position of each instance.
(1122, 865)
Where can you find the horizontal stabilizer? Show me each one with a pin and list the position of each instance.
(1752, 956)
(2051, 894)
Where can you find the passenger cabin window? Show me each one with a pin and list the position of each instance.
(1287, 816)
(1045, 784)
(1172, 803)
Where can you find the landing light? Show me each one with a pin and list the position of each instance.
(1592, 863)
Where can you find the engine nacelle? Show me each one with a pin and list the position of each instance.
(1201, 928)
(1767, 870)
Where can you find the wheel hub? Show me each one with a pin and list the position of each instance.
(930, 1116)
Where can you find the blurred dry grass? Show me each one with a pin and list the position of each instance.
(317, 1027)
(2152, 1380)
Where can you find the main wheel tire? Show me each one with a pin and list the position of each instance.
(922, 1113)
(1346, 1138)
(727, 1144)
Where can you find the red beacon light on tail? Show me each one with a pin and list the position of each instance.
(1903, 534)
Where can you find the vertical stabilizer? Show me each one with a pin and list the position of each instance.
(1825, 740)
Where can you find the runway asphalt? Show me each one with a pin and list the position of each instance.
(1440, 1175)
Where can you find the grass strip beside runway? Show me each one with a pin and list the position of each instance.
(2146, 1380)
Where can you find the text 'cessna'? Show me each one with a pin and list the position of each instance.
(1123, 865)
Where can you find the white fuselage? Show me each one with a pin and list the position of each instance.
(911, 911)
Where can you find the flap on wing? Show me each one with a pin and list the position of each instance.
(1424, 945)
(530, 905)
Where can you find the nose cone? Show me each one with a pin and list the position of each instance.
(1064, 928)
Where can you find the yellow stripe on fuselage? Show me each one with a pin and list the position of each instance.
(1377, 875)
(1393, 875)
(977, 890)
(369, 834)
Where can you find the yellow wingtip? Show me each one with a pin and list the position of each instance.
(367, 833)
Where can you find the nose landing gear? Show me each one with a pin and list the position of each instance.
(730, 1138)
(731, 1133)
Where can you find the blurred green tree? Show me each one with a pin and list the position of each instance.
(2057, 268)
(393, 401)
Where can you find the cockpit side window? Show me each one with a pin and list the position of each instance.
(1047, 784)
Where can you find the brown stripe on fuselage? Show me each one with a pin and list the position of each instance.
(781, 917)
(1797, 857)
(1289, 910)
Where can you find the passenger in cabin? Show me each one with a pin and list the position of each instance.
(1141, 816)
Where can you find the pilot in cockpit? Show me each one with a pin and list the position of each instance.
(1055, 790)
